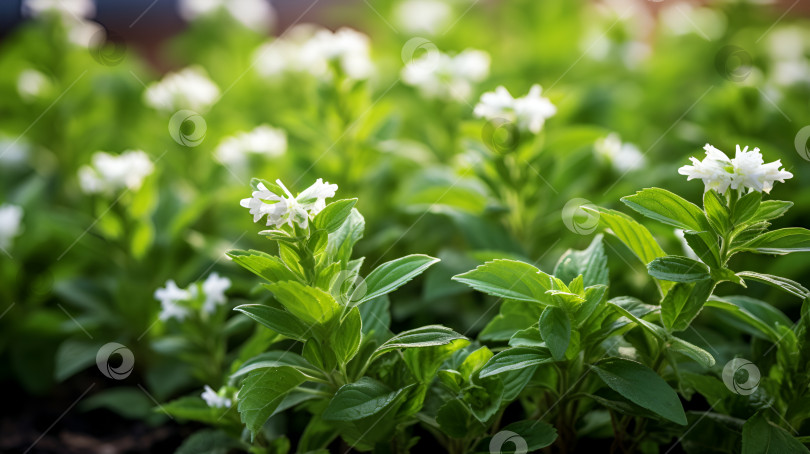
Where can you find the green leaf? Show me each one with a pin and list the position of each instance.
(555, 327)
(277, 320)
(341, 241)
(266, 266)
(623, 305)
(692, 351)
(424, 362)
(334, 215)
(426, 336)
(274, 359)
(208, 441)
(669, 208)
(709, 255)
(770, 209)
(515, 359)
(678, 269)
(309, 304)
(717, 212)
(780, 242)
(510, 279)
(760, 436)
(535, 434)
(746, 208)
(456, 420)
(759, 315)
(642, 386)
(394, 274)
(474, 361)
(591, 263)
(190, 408)
(782, 283)
(683, 303)
(262, 391)
(359, 400)
(345, 339)
(514, 316)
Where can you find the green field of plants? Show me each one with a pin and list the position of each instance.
(406, 226)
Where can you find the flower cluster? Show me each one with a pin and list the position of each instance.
(529, 112)
(264, 140)
(214, 400)
(317, 51)
(256, 15)
(109, 173)
(10, 223)
(188, 89)
(747, 170)
(73, 14)
(438, 75)
(423, 16)
(281, 207)
(178, 303)
(624, 157)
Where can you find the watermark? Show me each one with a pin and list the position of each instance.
(507, 436)
(578, 219)
(741, 376)
(107, 48)
(122, 370)
(188, 128)
(500, 135)
(733, 63)
(421, 50)
(802, 141)
(348, 288)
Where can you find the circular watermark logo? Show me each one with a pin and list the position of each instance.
(733, 63)
(188, 128)
(579, 220)
(500, 135)
(507, 436)
(421, 50)
(348, 288)
(122, 370)
(741, 376)
(802, 143)
(107, 48)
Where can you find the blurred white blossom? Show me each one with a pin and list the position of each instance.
(529, 112)
(75, 9)
(438, 75)
(170, 298)
(109, 173)
(10, 223)
(214, 400)
(423, 16)
(317, 51)
(257, 15)
(747, 170)
(187, 89)
(214, 289)
(788, 50)
(624, 157)
(284, 208)
(32, 84)
(263, 140)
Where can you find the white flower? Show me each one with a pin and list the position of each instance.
(316, 51)
(438, 75)
(746, 171)
(529, 112)
(423, 16)
(188, 89)
(624, 157)
(76, 9)
(263, 140)
(169, 298)
(109, 173)
(31, 84)
(214, 400)
(214, 289)
(10, 223)
(287, 209)
(257, 15)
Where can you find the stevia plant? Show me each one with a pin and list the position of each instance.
(335, 361)
(561, 326)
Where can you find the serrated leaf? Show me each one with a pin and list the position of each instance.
(345, 338)
(510, 279)
(555, 328)
(426, 336)
(746, 207)
(266, 266)
(770, 209)
(782, 283)
(277, 320)
(591, 263)
(692, 351)
(760, 436)
(515, 359)
(262, 391)
(669, 208)
(311, 305)
(717, 212)
(334, 215)
(780, 242)
(642, 386)
(683, 303)
(394, 274)
(274, 359)
(678, 269)
(359, 400)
